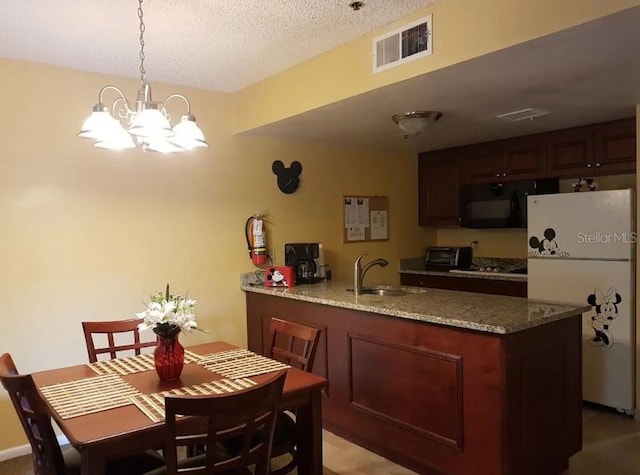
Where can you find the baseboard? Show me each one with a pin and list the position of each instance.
(21, 450)
(14, 452)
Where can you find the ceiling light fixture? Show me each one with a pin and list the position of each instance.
(414, 123)
(147, 122)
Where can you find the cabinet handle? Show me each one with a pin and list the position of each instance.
(497, 174)
(588, 165)
(504, 174)
(597, 165)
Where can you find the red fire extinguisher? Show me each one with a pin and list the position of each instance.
(255, 234)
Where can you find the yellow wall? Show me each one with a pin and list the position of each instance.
(89, 234)
(463, 29)
(491, 242)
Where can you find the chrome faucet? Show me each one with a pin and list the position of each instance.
(359, 271)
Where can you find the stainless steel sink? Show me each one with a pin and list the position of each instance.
(383, 291)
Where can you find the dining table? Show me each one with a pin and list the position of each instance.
(119, 431)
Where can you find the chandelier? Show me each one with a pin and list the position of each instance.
(147, 122)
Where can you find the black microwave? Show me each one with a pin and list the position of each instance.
(500, 205)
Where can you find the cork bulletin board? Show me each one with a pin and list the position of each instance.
(365, 218)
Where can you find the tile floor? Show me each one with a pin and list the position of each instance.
(611, 446)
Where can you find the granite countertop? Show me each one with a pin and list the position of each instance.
(473, 311)
(415, 265)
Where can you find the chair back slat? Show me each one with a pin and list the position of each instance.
(110, 329)
(36, 422)
(293, 343)
(244, 420)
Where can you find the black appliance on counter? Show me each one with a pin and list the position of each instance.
(500, 205)
(449, 257)
(307, 260)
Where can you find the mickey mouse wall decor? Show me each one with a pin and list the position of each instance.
(288, 178)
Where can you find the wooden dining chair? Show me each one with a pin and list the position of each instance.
(294, 344)
(235, 429)
(110, 329)
(48, 457)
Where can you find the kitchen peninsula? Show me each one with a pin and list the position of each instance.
(443, 382)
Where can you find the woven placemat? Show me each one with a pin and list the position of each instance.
(89, 395)
(152, 405)
(225, 356)
(134, 364)
(242, 366)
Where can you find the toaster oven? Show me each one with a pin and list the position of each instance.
(449, 257)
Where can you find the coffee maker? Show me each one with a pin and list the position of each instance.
(307, 260)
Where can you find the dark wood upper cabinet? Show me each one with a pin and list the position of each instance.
(570, 152)
(505, 160)
(594, 150)
(438, 188)
(615, 147)
(601, 149)
(525, 158)
(483, 163)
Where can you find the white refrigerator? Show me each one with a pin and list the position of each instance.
(581, 249)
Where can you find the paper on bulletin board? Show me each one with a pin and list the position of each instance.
(356, 213)
(361, 215)
(378, 224)
(355, 233)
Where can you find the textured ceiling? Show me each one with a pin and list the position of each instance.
(222, 45)
(585, 74)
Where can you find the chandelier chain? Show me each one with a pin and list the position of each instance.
(144, 123)
(143, 75)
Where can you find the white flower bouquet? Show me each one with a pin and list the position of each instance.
(167, 314)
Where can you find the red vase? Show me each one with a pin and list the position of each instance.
(169, 357)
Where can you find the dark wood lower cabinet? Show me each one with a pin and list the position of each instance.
(466, 284)
(442, 400)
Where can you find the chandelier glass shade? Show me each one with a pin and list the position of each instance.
(145, 124)
(414, 123)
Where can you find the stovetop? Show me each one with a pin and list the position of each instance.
(491, 270)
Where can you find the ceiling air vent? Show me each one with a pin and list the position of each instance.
(403, 44)
(523, 114)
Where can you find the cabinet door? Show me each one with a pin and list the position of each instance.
(570, 152)
(438, 189)
(615, 150)
(484, 163)
(525, 158)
